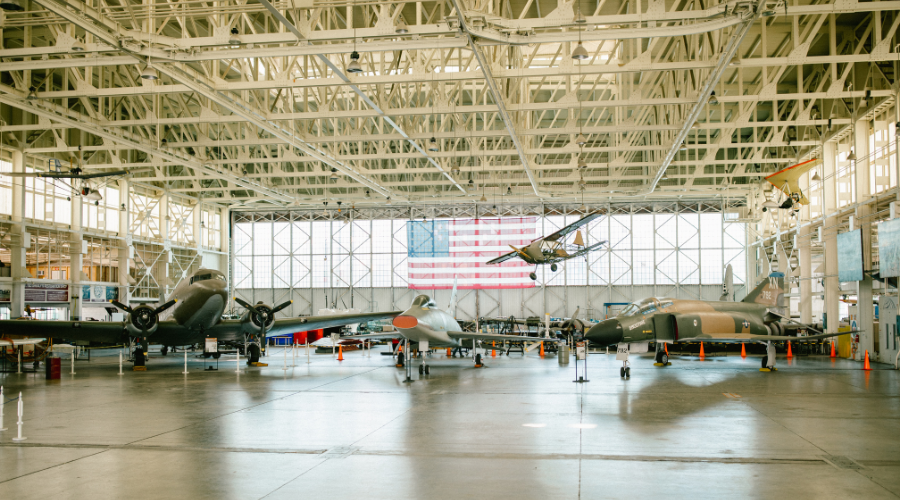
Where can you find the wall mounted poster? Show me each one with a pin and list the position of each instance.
(850, 256)
(889, 248)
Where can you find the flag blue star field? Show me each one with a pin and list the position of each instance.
(440, 251)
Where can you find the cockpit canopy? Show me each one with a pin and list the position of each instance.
(423, 301)
(207, 275)
(645, 306)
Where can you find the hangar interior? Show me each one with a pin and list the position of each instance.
(292, 145)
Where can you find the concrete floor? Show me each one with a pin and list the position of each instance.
(518, 428)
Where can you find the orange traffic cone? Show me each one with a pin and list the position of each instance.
(790, 354)
(743, 350)
(866, 365)
(449, 352)
(340, 353)
(666, 347)
(833, 354)
(542, 349)
(493, 352)
(702, 354)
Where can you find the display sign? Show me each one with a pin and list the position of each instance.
(35, 292)
(889, 248)
(211, 345)
(99, 293)
(850, 256)
(622, 352)
(580, 350)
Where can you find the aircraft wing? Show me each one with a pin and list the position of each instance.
(498, 337)
(503, 258)
(747, 337)
(8, 342)
(233, 327)
(788, 179)
(373, 336)
(93, 331)
(572, 227)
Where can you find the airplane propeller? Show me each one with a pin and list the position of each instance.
(143, 318)
(262, 315)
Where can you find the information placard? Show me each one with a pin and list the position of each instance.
(211, 345)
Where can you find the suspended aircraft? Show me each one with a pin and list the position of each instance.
(429, 326)
(197, 305)
(756, 319)
(788, 182)
(553, 249)
(85, 189)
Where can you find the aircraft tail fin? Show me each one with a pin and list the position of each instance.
(452, 308)
(728, 285)
(768, 292)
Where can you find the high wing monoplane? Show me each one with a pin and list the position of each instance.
(554, 248)
(56, 172)
(197, 307)
(756, 319)
(788, 182)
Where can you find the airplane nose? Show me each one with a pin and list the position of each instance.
(604, 333)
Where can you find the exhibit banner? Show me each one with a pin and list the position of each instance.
(36, 292)
(850, 256)
(889, 248)
(99, 293)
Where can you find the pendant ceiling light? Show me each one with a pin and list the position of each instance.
(582, 164)
(433, 145)
(580, 52)
(32, 93)
(334, 175)
(851, 156)
(580, 139)
(815, 177)
(78, 46)
(12, 5)
(150, 73)
(354, 66)
(713, 100)
(401, 28)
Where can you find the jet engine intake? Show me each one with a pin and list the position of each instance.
(775, 328)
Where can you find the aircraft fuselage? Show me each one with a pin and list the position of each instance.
(423, 322)
(667, 320)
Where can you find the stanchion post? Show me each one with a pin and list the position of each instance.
(120, 364)
(293, 354)
(237, 362)
(2, 400)
(72, 372)
(19, 364)
(307, 350)
(185, 372)
(19, 438)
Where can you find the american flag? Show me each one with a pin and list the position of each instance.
(442, 250)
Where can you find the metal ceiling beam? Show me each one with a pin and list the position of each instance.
(369, 102)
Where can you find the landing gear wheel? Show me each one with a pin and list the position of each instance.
(216, 355)
(553, 267)
(421, 369)
(400, 359)
(254, 354)
(622, 372)
(664, 359)
(478, 360)
(533, 276)
(427, 369)
(627, 372)
(164, 350)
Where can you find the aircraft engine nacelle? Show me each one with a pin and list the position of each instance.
(142, 321)
(253, 320)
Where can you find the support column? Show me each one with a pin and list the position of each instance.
(865, 305)
(77, 249)
(804, 254)
(162, 272)
(829, 235)
(20, 240)
(125, 250)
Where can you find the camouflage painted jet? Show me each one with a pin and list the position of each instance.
(665, 321)
(553, 249)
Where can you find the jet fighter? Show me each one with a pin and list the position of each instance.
(788, 182)
(428, 325)
(553, 249)
(665, 321)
